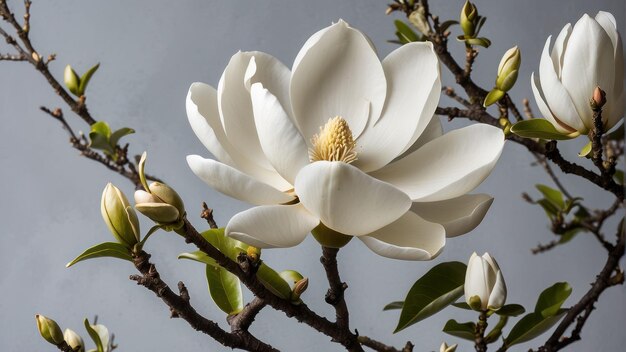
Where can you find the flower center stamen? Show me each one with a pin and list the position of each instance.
(334, 142)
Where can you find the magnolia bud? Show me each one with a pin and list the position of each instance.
(598, 99)
(484, 285)
(508, 69)
(74, 340)
(119, 216)
(297, 283)
(161, 203)
(445, 348)
(420, 21)
(49, 330)
(300, 287)
(469, 13)
(71, 79)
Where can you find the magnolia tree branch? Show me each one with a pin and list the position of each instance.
(335, 295)
(381, 347)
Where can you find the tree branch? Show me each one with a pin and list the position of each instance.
(335, 295)
(381, 347)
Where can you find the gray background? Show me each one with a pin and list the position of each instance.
(150, 53)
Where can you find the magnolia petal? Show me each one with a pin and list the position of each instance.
(272, 74)
(348, 200)
(557, 97)
(201, 100)
(588, 62)
(493, 265)
(498, 293)
(447, 167)
(337, 74)
(281, 141)
(408, 238)
(201, 106)
(614, 108)
(458, 215)
(433, 130)
(543, 107)
(475, 283)
(235, 108)
(560, 44)
(159, 212)
(234, 183)
(272, 226)
(142, 196)
(412, 95)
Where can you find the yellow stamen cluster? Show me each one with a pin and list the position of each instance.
(334, 142)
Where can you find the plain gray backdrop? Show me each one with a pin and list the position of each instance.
(150, 52)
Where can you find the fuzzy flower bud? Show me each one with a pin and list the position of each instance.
(49, 330)
(74, 340)
(484, 285)
(598, 99)
(508, 69)
(468, 17)
(119, 216)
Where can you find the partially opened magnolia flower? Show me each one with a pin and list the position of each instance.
(341, 145)
(585, 56)
(484, 283)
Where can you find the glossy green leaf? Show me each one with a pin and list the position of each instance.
(99, 137)
(225, 289)
(531, 326)
(106, 249)
(273, 281)
(461, 330)
(438, 288)
(84, 79)
(539, 128)
(511, 310)
(585, 151)
(115, 136)
(404, 33)
(229, 246)
(198, 256)
(493, 96)
(552, 298)
(94, 336)
(554, 196)
(394, 305)
(462, 305)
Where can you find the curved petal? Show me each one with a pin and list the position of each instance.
(408, 238)
(201, 100)
(560, 45)
(557, 97)
(412, 95)
(205, 101)
(234, 183)
(273, 74)
(348, 200)
(458, 215)
(475, 283)
(337, 74)
(614, 109)
(588, 62)
(543, 107)
(272, 226)
(498, 293)
(447, 167)
(281, 141)
(433, 130)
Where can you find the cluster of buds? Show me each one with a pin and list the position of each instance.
(471, 23)
(507, 75)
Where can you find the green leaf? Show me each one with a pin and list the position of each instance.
(273, 281)
(225, 289)
(539, 128)
(554, 196)
(229, 246)
(552, 298)
(511, 310)
(94, 336)
(71, 80)
(548, 207)
(99, 137)
(531, 326)
(462, 305)
(394, 305)
(115, 136)
(106, 249)
(493, 96)
(461, 330)
(439, 287)
(84, 80)
(198, 256)
(404, 33)
(569, 235)
(585, 151)
(484, 42)
(496, 332)
(447, 24)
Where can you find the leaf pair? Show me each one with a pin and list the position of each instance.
(101, 137)
(78, 85)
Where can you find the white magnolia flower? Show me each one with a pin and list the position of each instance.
(342, 141)
(585, 56)
(484, 284)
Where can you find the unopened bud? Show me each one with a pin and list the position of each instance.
(70, 77)
(119, 216)
(468, 17)
(420, 21)
(300, 287)
(445, 348)
(74, 340)
(598, 98)
(508, 69)
(49, 330)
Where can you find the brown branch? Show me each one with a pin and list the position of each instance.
(449, 91)
(546, 166)
(180, 307)
(480, 344)
(381, 347)
(207, 214)
(242, 320)
(528, 112)
(335, 295)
